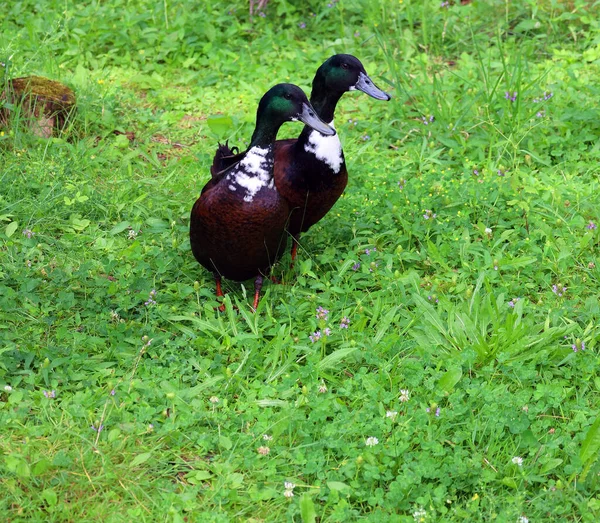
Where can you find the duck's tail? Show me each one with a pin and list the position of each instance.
(224, 157)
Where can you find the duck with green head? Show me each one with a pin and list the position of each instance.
(310, 171)
(237, 226)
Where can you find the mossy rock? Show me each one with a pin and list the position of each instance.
(45, 105)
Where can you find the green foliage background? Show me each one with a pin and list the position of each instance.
(159, 409)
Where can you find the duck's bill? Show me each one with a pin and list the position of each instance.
(310, 118)
(366, 85)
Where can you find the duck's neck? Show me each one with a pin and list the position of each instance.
(324, 103)
(265, 133)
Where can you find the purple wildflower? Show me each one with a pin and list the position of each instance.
(302, 25)
(365, 137)
(445, 4)
(433, 298)
(356, 33)
(151, 300)
(427, 120)
(402, 183)
(327, 331)
(591, 226)
(262, 14)
(476, 172)
(356, 266)
(540, 114)
(578, 345)
(513, 302)
(429, 215)
(322, 313)
(512, 97)
(315, 336)
(546, 96)
(369, 251)
(345, 323)
(28, 232)
(50, 393)
(437, 412)
(98, 428)
(113, 392)
(501, 172)
(559, 289)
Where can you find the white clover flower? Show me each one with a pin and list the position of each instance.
(419, 515)
(266, 437)
(522, 519)
(488, 230)
(263, 451)
(289, 485)
(322, 388)
(371, 441)
(391, 414)
(213, 400)
(404, 395)
(288, 493)
(7, 388)
(517, 460)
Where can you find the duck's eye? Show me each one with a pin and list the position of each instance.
(287, 96)
(345, 66)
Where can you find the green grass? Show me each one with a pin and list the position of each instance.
(185, 395)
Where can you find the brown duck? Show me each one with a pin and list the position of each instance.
(237, 226)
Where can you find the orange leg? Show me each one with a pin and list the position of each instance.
(257, 287)
(219, 291)
(294, 252)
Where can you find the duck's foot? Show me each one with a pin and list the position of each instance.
(257, 287)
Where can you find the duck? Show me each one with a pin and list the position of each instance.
(238, 224)
(310, 171)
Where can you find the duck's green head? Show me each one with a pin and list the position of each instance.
(287, 103)
(344, 72)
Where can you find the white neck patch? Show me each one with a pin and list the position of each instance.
(253, 173)
(327, 149)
